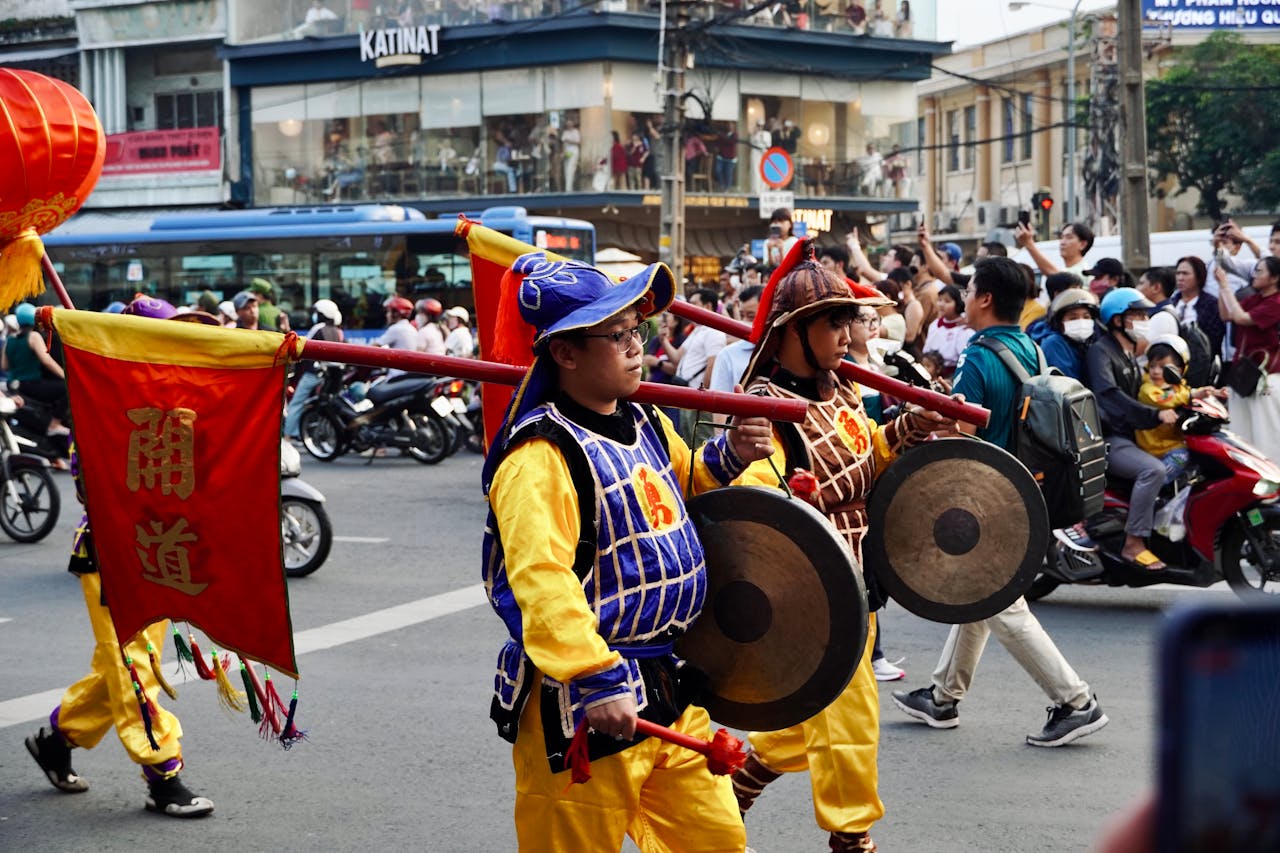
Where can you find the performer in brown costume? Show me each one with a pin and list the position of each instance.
(804, 320)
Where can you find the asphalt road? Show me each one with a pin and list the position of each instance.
(397, 650)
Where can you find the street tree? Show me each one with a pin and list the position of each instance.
(1213, 122)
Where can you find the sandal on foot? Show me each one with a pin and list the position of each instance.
(1146, 561)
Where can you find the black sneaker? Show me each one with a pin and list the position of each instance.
(920, 705)
(171, 797)
(51, 752)
(1066, 724)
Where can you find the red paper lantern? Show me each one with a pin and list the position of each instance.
(52, 147)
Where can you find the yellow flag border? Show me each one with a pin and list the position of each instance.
(180, 344)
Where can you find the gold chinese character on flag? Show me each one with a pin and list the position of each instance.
(161, 451)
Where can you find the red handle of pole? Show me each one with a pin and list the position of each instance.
(932, 400)
(742, 405)
(698, 745)
(56, 281)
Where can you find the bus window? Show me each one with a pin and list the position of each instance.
(290, 276)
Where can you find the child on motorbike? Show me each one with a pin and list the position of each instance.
(1165, 441)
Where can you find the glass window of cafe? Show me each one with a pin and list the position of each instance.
(491, 132)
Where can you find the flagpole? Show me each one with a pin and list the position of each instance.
(932, 400)
(56, 281)
(742, 405)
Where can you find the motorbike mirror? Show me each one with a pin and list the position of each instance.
(1172, 375)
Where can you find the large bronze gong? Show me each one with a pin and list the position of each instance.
(785, 619)
(958, 530)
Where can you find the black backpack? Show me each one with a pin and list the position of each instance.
(1202, 370)
(1058, 436)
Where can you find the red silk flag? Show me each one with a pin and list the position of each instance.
(492, 254)
(178, 437)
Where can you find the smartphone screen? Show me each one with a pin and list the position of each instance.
(1220, 730)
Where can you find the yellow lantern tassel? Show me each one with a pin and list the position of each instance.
(228, 696)
(20, 274)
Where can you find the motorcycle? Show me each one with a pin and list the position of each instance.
(29, 499)
(305, 529)
(1229, 528)
(403, 412)
(464, 402)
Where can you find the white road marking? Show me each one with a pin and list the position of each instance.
(5, 619)
(363, 540)
(28, 709)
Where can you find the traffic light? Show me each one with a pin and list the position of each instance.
(1043, 202)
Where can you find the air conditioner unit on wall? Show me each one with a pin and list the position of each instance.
(988, 213)
(1008, 215)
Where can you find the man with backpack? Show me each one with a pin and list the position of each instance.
(993, 304)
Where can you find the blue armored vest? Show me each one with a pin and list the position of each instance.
(645, 578)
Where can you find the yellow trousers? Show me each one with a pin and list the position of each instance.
(104, 698)
(660, 794)
(838, 747)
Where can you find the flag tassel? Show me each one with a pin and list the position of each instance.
(292, 735)
(228, 696)
(255, 712)
(202, 668)
(144, 706)
(159, 675)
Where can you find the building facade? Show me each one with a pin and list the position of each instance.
(992, 127)
(449, 105)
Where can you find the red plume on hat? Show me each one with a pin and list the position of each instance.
(801, 251)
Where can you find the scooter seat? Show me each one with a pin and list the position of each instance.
(398, 387)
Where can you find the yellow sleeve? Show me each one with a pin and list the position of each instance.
(536, 510)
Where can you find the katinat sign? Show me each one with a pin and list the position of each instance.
(400, 46)
(1212, 14)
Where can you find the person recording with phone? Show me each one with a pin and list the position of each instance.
(1074, 242)
(780, 239)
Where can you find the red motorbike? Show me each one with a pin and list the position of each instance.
(1231, 521)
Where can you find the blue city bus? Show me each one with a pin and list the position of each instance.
(356, 255)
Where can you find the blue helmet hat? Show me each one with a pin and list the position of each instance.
(26, 314)
(561, 296)
(116, 307)
(558, 296)
(1120, 300)
(952, 251)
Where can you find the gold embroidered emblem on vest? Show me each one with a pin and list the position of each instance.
(655, 497)
(853, 432)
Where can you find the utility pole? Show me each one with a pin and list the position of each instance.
(1135, 226)
(674, 59)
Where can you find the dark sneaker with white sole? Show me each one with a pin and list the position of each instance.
(53, 754)
(920, 705)
(171, 797)
(1067, 724)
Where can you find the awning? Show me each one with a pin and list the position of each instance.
(18, 57)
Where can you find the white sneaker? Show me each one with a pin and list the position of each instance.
(886, 671)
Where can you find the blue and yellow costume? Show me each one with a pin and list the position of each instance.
(593, 564)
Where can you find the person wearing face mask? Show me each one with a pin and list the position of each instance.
(1073, 317)
(1112, 373)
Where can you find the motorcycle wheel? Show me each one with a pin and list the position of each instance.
(321, 435)
(1244, 569)
(1040, 587)
(307, 535)
(29, 504)
(433, 440)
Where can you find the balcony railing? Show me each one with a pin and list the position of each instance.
(281, 184)
(269, 20)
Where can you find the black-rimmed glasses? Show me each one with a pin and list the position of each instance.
(623, 338)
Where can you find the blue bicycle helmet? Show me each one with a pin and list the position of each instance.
(26, 314)
(1120, 300)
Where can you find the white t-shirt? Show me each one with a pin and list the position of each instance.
(702, 344)
(431, 339)
(730, 364)
(459, 343)
(399, 335)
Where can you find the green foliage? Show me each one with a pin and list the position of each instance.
(1213, 122)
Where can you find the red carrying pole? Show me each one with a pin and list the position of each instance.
(931, 400)
(741, 405)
